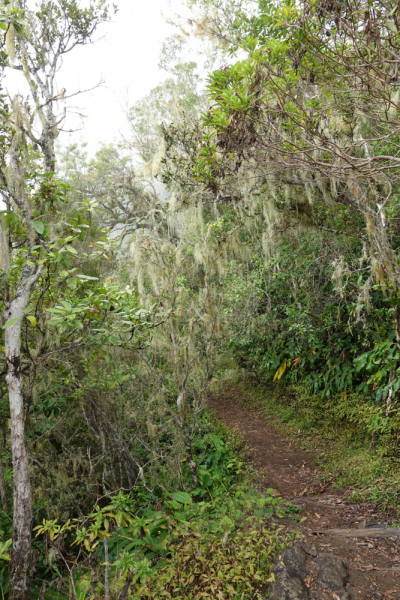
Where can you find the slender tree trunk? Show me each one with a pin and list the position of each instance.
(22, 487)
(189, 457)
(3, 491)
(396, 321)
(107, 572)
(22, 520)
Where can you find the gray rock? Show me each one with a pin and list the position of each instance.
(287, 587)
(289, 570)
(309, 551)
(333, 575)
(293, 561)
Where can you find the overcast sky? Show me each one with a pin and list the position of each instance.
(125, 57)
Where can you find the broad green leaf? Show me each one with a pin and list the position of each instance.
(174, 505)
(11, 322)
(3, 547)
(182, 497)
(32, 320)
(206, 479)
(392, 26)
(39, 227)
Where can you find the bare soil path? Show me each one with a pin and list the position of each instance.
(371, 563)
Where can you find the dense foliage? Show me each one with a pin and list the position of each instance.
(249, 224)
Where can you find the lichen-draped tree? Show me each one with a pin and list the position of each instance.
(53, 29)
(311, 116)
(170, 277)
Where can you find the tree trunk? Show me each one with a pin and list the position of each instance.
(396, 321)
(3, 491)
(22, 519)
(189, 458)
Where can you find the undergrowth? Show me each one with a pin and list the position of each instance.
(223, 552)
(215, 541)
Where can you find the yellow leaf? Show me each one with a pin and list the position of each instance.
(296, 360)
(105, 256)
(281, 369)
(32, 320)
(87, 545)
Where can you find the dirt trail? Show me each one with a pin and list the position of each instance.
(372, 564)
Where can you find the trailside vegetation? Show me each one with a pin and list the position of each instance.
(245, 223)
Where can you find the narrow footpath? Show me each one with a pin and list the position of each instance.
(347, 551)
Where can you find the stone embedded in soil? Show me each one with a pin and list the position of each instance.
(287, 587)
(309, 551)
(289, 570)
(333, 574)
(293, 561)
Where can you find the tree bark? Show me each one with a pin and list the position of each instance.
(3, 491)
(396, 321)
(22, 520)
(107, 572)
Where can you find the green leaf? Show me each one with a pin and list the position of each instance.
(172, 504)
(71, 249)
(3, 547)
(32, 320)
(182, 497)
(206, 479)
(392, 26)
(11, 322)
(39, 227)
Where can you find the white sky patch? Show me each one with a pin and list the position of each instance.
(125, 56)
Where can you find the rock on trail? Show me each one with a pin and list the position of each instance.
(290, 573)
